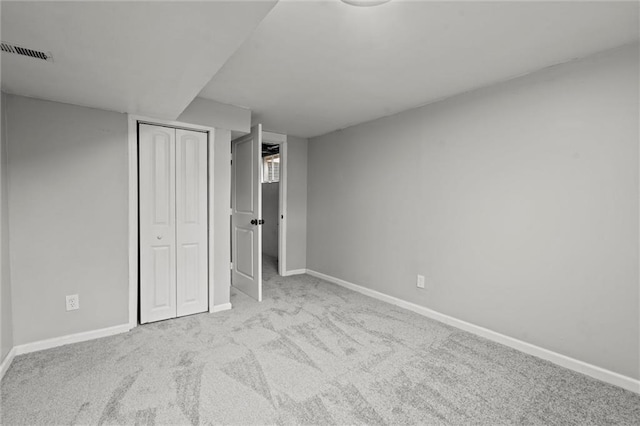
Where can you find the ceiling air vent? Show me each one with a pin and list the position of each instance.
(12, 48)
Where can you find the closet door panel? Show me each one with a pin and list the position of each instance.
(157, 223)
(191, 222)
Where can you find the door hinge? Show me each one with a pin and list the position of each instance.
(230, 211)
(231, 265)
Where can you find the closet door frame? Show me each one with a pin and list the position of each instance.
(133, 121)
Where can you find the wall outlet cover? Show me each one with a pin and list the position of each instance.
(73, 302)
(420, 281)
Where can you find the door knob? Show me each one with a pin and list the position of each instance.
(254, 221)
(159, 237)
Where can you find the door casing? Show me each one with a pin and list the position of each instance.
(133, 121)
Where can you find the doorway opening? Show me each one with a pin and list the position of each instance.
(258, 209)
(274, 201)
(270, 176)
(173, 201)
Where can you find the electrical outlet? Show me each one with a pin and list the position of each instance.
(420, 281)
(73, 302)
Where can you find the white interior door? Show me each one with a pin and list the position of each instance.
(157, 223)
(191, 222)
(246, 204)
(173, 207)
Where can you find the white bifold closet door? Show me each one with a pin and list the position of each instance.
(173, 222)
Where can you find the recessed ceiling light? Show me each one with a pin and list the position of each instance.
(365, 3)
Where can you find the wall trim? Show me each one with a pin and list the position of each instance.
(59, 341)
(70, 338)
(294, 272)
(582, 367)
(220, 308)
(6, 362)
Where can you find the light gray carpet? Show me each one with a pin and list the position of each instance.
(311, 353)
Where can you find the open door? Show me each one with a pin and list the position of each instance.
(246, 207)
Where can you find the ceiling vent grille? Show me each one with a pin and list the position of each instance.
(12, 48)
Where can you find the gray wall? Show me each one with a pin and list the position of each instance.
(221, 209)
(6, 316)
(68, 193)
(214, 114)
(296, 203)
(270, 209)
(68, 206)
(519, 203)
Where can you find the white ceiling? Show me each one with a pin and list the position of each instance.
(314, 67)
(309, 67)
(150, 58)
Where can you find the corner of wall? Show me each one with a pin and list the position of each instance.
(6, 311)
(222, 203)
(297, 203)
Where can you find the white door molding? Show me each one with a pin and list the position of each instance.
(133, 121)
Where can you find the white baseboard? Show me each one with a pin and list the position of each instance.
(220, 308)
(294, 272)
(70, 338)
(528, 348)
(6, 362)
